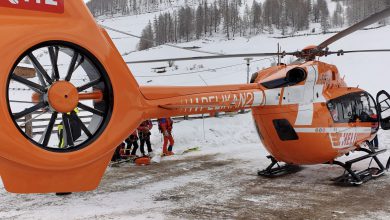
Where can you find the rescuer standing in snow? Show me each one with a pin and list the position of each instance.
(165, 127)
(144, 136)
(132, 140)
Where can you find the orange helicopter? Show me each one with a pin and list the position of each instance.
(60, 70)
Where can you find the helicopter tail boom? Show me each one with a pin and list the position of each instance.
(175, 101)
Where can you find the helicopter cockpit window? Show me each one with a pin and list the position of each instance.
(333, 111)
(352, 107)
(347, 110)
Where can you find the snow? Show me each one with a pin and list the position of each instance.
(355, 67)
(132, 192)
(187, 133)
(364, 70)
(367, 71)
(126, 193)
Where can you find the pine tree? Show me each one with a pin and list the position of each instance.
(271, 14)
(146, 41)
(234, 17)
(188, 22)
(324, 15)
(199, 21)
(283, 17)
(217, 17)
(338, 18)
(226, 18)
(246, 20)
(206, 19)
(256, 17)
(316, 13)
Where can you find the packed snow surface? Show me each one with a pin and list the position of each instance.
(219, 181)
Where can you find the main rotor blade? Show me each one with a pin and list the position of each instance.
(212, 57)
(366, 22)
(341, 52)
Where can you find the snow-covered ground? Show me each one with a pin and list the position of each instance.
(219, 181)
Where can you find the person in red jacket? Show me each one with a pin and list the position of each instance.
(144, 136)
(165, 127)
(132, 140)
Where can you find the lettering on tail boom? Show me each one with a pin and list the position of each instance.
(221, 102)
(53, 6)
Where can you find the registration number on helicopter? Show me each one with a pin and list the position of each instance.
(225, 101)
(53, 6)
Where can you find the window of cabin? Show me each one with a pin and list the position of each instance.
(353, 107)
(333, 76)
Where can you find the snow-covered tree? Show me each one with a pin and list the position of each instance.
(147, 38)
(338, 16)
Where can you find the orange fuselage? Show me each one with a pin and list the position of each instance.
(320, 138)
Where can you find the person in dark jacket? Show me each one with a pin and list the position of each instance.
(144, 136)
(132, 140)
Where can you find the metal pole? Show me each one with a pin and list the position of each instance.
(278, 54)
(28, 125)
(204, 133)
(248, 63)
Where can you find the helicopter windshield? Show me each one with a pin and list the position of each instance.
(352, 107)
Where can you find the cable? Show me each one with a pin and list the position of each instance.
(153, 41)
(200, 71)
(23, 102)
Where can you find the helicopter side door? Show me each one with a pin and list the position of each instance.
(383, 105)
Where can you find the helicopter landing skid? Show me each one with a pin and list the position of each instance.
(355, 178)
(276, 170)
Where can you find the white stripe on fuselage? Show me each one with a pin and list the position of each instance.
(306, 106)
(334, 130)
(258, 99)
(272, 96)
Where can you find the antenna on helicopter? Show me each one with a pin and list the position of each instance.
(248, 63)
(279, 58)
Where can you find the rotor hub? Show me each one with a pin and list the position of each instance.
(63, 96)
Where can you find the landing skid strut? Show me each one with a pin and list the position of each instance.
(354, 178)
(275, 169)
